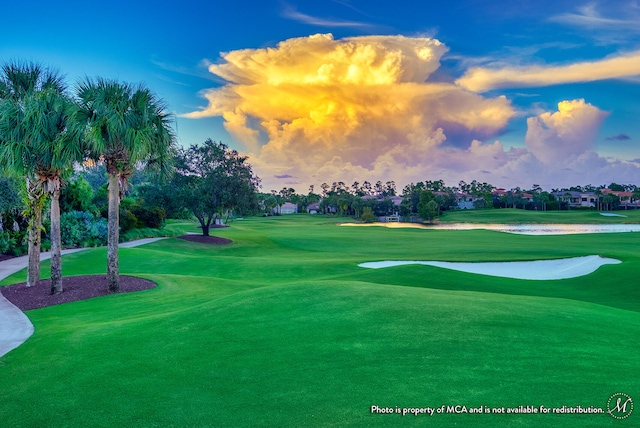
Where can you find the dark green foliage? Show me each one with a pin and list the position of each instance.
(6, 241)
(77, 196)
(96, 176)
(367, 215)
(135, 215)
(82, 229)
(163, 194)
(128, 220)
(427, 207)
(101, 200)
(14, 233)
(212, 180)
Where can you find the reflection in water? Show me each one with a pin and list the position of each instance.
(546, 229)
(522, 229)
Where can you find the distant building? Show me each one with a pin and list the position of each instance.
(313, 208)
(288, 208)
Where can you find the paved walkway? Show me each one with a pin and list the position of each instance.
(15, 327)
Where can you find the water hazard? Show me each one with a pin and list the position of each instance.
(522, 229)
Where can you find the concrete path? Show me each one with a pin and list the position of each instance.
(15, 327)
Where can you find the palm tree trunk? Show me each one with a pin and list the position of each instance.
(35, 197)
(113, 277)
(56, 263)
(33, 268)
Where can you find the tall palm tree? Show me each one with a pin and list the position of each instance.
(126, 126)
(17, 81)
(41, 140)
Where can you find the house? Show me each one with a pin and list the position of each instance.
(588, 199)
(626, 198)
(313, 208)
(288, 208)
(576, 199)
(464, 201)
(397, 200)
(572, 198)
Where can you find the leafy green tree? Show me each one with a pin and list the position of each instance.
(617, 187)
(43, 141)
(96, 176)
(427, 207)
(39, 141)
(213, 180)
(125, 125)
(367, 215)
(77, 195)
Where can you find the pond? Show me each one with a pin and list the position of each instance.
(545, 229)
(522, 229)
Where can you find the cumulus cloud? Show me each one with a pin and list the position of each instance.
(482, 79)
(315, 109)
(315, 106)
(570, 131)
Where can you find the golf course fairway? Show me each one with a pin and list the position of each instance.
(282, 328)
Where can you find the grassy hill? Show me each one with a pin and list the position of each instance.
(282, 328)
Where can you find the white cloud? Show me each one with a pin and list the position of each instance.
(482, 79)
(589, 17)
(571, 131)
(291, 13)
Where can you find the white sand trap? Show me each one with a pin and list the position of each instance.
(540, 270)
(612, 215)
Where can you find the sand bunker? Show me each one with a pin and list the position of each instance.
(540, 270)
(612, 215)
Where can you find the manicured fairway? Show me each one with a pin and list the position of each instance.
(282, 328)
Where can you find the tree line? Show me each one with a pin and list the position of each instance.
(430, 198)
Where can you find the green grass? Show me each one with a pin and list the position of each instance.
(281, 328)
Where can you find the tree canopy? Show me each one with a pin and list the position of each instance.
(212, 180)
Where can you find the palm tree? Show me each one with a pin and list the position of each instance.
(40, 140)
(18, 81)
(125, 126)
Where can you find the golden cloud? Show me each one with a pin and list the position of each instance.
(320, 109)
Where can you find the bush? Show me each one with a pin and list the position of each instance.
(6, 241)
(13, 236)
(153, 218)
(82, 229)
(135, 215)
(367, 215)
(77, 196)
(128, 220)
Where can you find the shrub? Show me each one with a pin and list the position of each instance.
(153, 218)
(77, 196)
(81, 228)
(128, 220)
(367, 215)
(6, 241)
(13, 233)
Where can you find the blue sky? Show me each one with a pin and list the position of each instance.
(511, 93)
